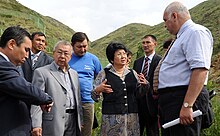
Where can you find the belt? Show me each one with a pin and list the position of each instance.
(171, 89)
(70, 110)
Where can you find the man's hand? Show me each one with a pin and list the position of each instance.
(186, 116)
(46, 108)
(36, 132)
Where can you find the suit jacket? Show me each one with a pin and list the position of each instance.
(151, 103)
(27, 68)
(16, 94)
(48, 79)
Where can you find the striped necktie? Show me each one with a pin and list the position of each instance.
(157, 70)
(145, 69)
(34, 59)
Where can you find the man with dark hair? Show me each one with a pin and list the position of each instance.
(37, 56)
(87, 66)
(16, 94)
(147, 105)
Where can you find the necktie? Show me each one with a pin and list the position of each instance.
(34, 59)
(145, 69)
(156, 71)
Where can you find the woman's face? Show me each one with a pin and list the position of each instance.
(120, 58)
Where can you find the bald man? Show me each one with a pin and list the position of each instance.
(184, 72)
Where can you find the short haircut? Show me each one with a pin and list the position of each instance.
(178, 8)
(79, 37)
(150, 35)
(14, 32)
(62, 42)
(37, 33)
(112, 48)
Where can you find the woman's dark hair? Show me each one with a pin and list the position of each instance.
(112, 48)
(79, 37)
(14, 32)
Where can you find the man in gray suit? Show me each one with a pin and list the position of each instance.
(37, 57)
(62, 83)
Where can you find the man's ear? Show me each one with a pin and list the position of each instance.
(11, 44)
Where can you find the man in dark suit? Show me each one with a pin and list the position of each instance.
(37, 57)
(148, 115)
(16, 94)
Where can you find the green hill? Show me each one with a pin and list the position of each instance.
(206, 13)
(13, 13)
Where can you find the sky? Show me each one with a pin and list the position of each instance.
(98, 18)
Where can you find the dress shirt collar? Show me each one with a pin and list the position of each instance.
(59, 69)
(6, 57)
(112, 69)
(38, 54)
(184, 27)
(150, 57)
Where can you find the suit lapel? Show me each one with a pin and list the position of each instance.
(140, 64)
(74, 84)
(39, 60)
(56, 75)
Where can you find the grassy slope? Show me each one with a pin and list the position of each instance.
(13, 13)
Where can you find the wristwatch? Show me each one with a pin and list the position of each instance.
(186, 105)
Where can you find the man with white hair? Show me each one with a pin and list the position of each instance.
(183, 72)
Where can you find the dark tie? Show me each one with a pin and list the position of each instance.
(145, 69)
(156, 71)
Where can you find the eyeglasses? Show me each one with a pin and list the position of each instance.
(60, 53)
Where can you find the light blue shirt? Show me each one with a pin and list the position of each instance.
(192, 49)
(87, 67)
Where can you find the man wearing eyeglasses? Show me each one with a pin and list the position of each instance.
(147, 105)
(62, 83)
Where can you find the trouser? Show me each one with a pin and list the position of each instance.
(71, 123)
(88, 117)
(146, 120)
(170, 103)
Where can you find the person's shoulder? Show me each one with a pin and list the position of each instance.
(43, 68)
(139, 59)
(158, 56)
(199, 27)
(91, 55)
(73, 71)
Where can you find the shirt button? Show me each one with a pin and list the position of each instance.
(125, 96)
(126, 104)
(123, 82)
(124, 89)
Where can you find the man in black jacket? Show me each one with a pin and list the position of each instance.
(147, 105)
(37, 57)
(16, 94)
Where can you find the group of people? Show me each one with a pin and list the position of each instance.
(41, 95)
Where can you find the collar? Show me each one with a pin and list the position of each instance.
(59, 69)
(6, 57)
(184, 27)
(38, 54)
(150, 57)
